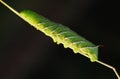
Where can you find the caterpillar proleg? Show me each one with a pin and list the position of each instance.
(62, 35)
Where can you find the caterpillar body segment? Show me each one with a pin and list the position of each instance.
(62, 35)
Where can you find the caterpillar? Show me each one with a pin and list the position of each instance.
(62, 35)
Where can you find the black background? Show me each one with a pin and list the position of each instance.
(26, 53)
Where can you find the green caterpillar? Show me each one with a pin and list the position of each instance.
(62, 35)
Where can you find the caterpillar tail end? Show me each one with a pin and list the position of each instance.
(91, 53)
